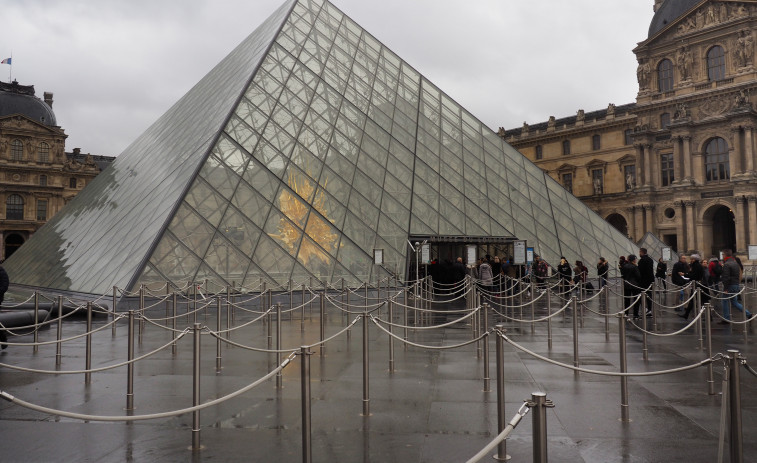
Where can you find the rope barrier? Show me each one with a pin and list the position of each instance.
(482, 336)
(154, 416)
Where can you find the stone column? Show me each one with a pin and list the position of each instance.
(687, 158)
(691, 241)
(649, 218)
(646, 154)
(751, 222)
(631, 222)
(680, 231)
(740, 217)
(749, 149)
(638, 218)
(734, 157)
(677, 161)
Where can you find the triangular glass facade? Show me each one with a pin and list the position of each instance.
(306, 148)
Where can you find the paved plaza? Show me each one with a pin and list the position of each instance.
(431, 408)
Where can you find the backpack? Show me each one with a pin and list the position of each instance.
(717, 269)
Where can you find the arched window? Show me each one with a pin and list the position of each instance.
(43, 180)
(17, 150)
(715, 63)
(14, 208)
(716, 160)
(43, 152)
(566, 147)
(665, 76)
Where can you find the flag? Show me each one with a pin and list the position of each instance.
(6, 61)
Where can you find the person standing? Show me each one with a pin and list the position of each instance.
(539, 269)
(662, 273)
(731, 279)
(565, 274)
(697, 275)
(646, 270)
(603, 268)
(4, 284)
(631, 283)
(680, 277)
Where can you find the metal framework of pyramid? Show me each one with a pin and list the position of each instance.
(310, 145)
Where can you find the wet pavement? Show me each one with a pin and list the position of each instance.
(431, 408)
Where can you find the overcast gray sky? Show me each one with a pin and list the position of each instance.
(115, 66)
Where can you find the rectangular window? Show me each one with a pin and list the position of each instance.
(72, 182)
(597, 181)
(566, 147)
(41, 209)
(664, 120)
(567, 182)
(667, 169)
(629, 173)
(595, 142)
(539, 152)
(43, 180)
(628, 136)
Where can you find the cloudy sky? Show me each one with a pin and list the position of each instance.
(115, 66)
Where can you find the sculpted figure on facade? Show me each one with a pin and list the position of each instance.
(684, 61)
(642, 74)
(744, 49)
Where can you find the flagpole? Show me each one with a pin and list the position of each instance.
(10, 72)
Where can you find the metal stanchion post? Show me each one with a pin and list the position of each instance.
(196, 389)
(59, 345)
(35, 349)
(607, 312)
(404, 317)
(115, 301)
(291, 299)
(302, 310)
(366, 397)
(501, 419)
(391, 338)
(698, 325)
(644, 348)
(734, 402)
(142, 311)
(485, 339)
(708, 327)
(310, 304)
(130, 366)
(88, 375)
(549, 327)
(539, 428)
(307, 451)
(218, 334)
(173, 323)
(279, 377)
(574, 304)
(623, 368)
(322, 306)
(168, 293)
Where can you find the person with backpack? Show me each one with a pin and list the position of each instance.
(715, 271)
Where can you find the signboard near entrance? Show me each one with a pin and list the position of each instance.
(426, 254)
(666, 256)
(470, 254)
(752, 252)
(519, 252)
(529, 255)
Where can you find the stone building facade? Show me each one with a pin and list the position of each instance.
(681, 161)
(37, 176)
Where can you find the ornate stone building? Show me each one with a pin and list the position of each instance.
(37, 176)
(680, 162)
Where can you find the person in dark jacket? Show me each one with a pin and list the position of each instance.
(696, 274)
(731, 279)
(662, 273)
(646, 270)
(631, 285)
(680, 276)
(4, 284)
(603, 268)
(566, 275)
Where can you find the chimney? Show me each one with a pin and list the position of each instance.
(658, 4)
(49, 99)
(77, 151)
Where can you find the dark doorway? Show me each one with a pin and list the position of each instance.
(723, 230)
(619, 223)
(12, 243)
(671, 240)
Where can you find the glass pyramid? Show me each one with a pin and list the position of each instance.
(307, 147)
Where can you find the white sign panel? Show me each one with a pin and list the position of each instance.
(425, 254)
(378, 256)
(752, 252)
(471, 254)
(519, 252)
(666, 256)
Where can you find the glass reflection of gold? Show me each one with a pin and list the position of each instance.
(296, 209)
